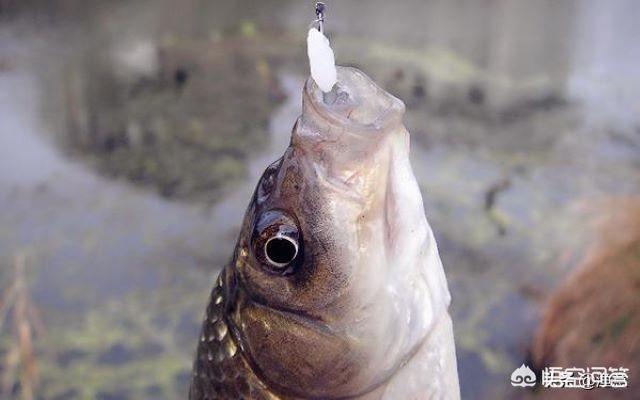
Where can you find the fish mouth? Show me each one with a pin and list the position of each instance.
(357, 105)
(343, 134)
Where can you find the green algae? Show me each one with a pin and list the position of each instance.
(130, 324)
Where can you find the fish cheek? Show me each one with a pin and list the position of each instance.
(318, 278)
(297, 355)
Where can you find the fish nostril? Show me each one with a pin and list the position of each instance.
(280, 250)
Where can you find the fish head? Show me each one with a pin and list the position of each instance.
(336, 271)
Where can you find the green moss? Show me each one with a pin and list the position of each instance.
(619, 325)
(147, 324)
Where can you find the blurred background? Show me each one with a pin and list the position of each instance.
(132, 134)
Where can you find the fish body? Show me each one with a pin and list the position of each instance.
(335, 289)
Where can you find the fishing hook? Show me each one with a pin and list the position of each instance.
(320, 7)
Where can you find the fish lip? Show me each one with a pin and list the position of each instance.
(343, 140)
(389, 114)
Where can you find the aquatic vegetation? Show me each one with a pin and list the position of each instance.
(135, 347)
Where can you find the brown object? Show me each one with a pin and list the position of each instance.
(593, 319)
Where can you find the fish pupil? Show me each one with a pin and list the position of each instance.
(280, 251)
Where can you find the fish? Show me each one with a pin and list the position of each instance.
(335, 289)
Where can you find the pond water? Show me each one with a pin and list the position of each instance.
(120, 270)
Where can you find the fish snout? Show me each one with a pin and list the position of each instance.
(346, 134)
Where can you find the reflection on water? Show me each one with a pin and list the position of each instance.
(120, 274)
(25, 160)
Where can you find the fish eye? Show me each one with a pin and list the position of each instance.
(280, 250)
(276, 242)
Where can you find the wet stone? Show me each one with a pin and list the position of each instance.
(149, 349)
(471, 388)
(161, 321)
(188, 325)
(117, 354)
(154, 391)
(67, 395)
(67, 357)
(182, 380)
(118, 394)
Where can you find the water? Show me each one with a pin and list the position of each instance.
(121, 274)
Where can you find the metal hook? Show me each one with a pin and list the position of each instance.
(320, 7)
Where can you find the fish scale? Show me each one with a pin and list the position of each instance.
(220, 370)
